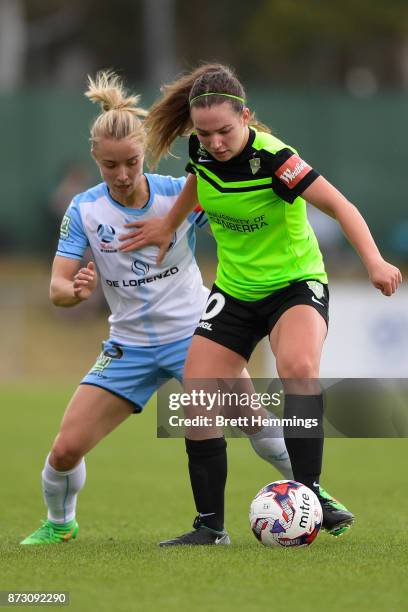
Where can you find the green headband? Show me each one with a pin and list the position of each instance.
(214, 93)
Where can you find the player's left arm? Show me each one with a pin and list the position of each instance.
(324, 196)
(160, 230)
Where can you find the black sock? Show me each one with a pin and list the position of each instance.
(207, 464)
(305, 446)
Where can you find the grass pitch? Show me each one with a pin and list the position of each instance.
(137, 493)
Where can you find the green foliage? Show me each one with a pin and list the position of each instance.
(319, 40)
(285, 41)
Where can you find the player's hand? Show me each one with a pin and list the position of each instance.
(384, 276)
(85, 281)
(143, 233)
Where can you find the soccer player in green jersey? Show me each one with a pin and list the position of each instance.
(270, 278)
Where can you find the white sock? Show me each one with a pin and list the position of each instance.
(269, 444)
(60, 490)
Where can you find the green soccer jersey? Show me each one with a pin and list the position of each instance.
(253, 203)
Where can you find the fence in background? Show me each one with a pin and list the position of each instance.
(358, 144)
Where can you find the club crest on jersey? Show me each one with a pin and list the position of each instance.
(106, 233)
(140, 268)
(255, 164)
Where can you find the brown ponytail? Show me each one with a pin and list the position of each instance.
(169, 117)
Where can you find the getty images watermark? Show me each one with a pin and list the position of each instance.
(352, 408)
(231, 409)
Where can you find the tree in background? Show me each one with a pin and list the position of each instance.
(362, 44)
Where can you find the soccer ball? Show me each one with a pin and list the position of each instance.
(285, 513)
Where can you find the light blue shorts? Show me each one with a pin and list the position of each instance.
(134, 372)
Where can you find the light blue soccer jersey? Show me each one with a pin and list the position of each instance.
(150, 304)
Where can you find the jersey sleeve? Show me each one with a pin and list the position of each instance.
(291, 175)
(198, 217)
(179, 184)
(73, 240)
(171, 185)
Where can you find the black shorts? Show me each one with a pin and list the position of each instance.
(240, 325)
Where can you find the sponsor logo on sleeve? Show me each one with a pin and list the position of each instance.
(292, 171)
(64, 230)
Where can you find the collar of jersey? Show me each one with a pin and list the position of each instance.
(132, 211)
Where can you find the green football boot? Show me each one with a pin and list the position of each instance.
(52, 533)
(336, 518)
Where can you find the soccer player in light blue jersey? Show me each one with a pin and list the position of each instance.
(154, 308)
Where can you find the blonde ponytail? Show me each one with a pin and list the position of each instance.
(120, 115)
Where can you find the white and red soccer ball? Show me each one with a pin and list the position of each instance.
(285, 513)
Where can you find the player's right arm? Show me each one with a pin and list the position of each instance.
(160, 231)
(71, 283)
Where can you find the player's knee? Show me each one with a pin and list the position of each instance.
(65, 454)
(300, 367)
